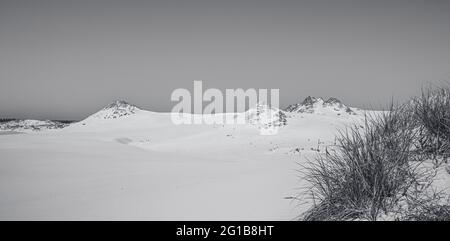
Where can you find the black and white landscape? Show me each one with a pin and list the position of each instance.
(86, 128)
(127, 163)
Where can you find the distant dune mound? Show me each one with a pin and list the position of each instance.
(116, 109)
(317, 105)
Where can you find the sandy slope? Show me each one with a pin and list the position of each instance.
(144, 167)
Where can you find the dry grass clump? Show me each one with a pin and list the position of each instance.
(378, 169)
(432, 115)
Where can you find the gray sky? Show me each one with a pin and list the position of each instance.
(66, 59)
